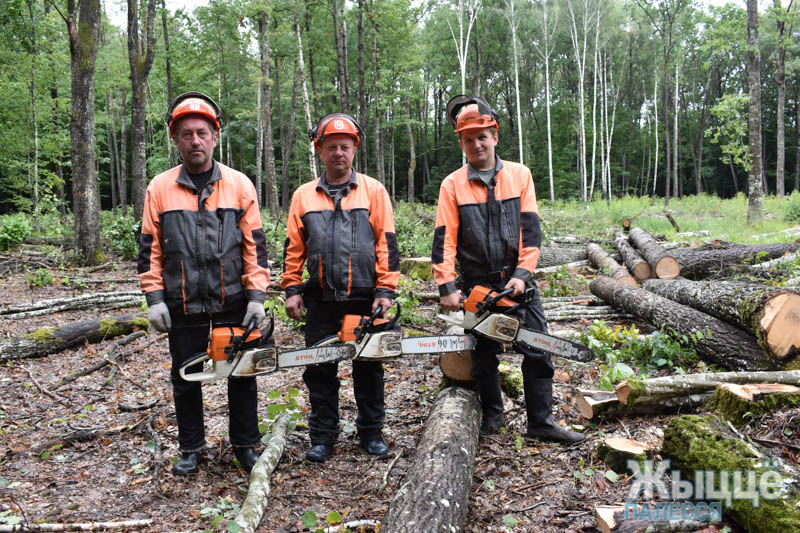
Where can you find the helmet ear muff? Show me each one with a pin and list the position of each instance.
(456, 103)
(317, 133)
(194, 94)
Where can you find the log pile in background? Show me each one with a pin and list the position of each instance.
(663, 263)
(716, 258)
(771, 315)
(605, 263)
(713, 339)
(640, 268)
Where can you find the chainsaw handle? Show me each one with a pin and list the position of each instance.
(527, 296)
(488, 304)
(198, 358)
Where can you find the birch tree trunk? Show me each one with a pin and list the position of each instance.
(675, 192)
(376, 96)
(173, 154)
(545, 53)
(412, 163)
(341, 62)
(655, 115)
(301, 71)
(123, 149)
(35, 120)
(754, 194)
(511, 15)
(362, 97)
(141, 53)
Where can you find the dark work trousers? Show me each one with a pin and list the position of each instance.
(187, 337)
(535, 363)
(323, 319)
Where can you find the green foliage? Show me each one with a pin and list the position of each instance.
(280, 403)
(121, 233)
(224, 509)
(624, 353)
(311, 521)
(561, 283)
(792, 209)
(414, 228)
(41, 277)
(730, 129)
(406, 298)
(275, 233)
(14, 229)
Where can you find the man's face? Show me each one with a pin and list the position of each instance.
(196, 140)
(337, 154)
(478, 145)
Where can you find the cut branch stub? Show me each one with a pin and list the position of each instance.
(663, 263)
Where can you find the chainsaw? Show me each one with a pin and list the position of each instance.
(248, 352)
(488, 314)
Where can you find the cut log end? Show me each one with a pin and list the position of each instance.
(456, 366)
(604, 514)
(780, 322)
(667, 268)
(642, 271)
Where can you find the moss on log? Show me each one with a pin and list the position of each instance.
(740, 403)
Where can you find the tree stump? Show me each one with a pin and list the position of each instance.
(740, 403)
(664, 264)
(772, 315)
(615, 452)
(435, 492)
(417, 268)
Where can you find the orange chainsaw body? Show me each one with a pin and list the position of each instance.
(479, 294)
(351, 322)
(224, 336)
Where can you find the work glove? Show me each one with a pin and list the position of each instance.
(158, 315)
(254, 309)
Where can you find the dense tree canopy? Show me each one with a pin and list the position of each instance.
(635, 69)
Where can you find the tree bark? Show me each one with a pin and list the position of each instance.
(557, 255)
(663, 263)
(772, 315)
(301, 70)
(46, 341)
(362, 97)
(435, 493)
(123, 153)
(640, 268)
(741, 403)
(720, 342)
(341, 62)
(379, 160)
(603, 262)
(141, 53)
(694, 442)
(654, 391)
(270, 177)
(412, 158)
(780, 75)
(711, 259)
(622, 519)
(755, 191)
(83, 26)
(594, 404)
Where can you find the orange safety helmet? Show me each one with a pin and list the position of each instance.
(470, 113)
(333, 124)
(193, 103)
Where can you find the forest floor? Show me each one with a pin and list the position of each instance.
(123, 471)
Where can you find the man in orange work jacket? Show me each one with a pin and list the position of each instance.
(341, 227)
(202, 262)
(487, 218)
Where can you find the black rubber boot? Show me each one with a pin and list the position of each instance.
(491, 404)
(539, 404)
(319, 453)
(247, 458)
(187, 463)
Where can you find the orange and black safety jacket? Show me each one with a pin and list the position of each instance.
(347, 243)
(493, 230)
(202, 251)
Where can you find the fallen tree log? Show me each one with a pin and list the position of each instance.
(772, 315)
(702, 261)
(657, 390)
(79, 526)
(600, 403)
(640, 268)
(740, 403)
(767, 504)
(46, 341)
(663, 263)
(84, 301)
(257, 499)
(713, 339)
(560, 255)
(603, 262)
(763, 268)
(435, 492)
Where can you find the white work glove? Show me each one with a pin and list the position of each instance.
(158, 315)
(254, 309)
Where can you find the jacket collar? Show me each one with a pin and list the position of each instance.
(472, 174)
(322, 182)
(186, 181)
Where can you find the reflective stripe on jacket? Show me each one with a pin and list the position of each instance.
(348, 245)
(206, 252)
(494, 236)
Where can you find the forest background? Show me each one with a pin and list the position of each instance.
(600, 98)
